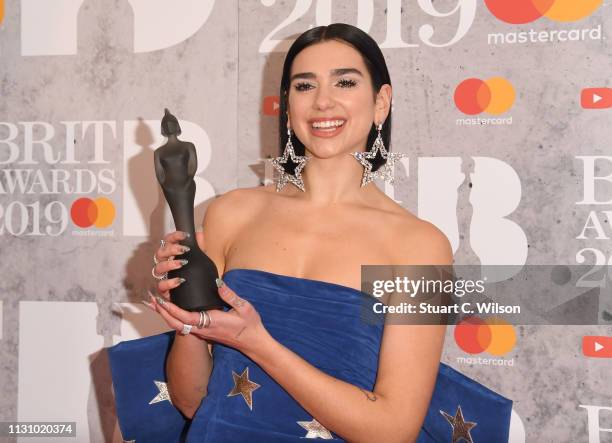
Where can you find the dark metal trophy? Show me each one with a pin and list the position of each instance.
(175, 165)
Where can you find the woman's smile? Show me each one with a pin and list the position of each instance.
(326, 127)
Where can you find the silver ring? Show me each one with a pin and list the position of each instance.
(204, 320)
(162, 243)
(186, 329)
(208, 319)
(164, 276)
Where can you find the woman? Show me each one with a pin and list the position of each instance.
(292, 358)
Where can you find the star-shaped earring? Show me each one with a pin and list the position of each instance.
(461, 428)
(386, 171)
(289, 157)
(243, 386)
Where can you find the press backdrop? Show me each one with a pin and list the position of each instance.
(513, 165)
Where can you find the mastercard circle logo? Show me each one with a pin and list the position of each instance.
(495, 96)
(494, 335)
(86, 212)
(525, 11)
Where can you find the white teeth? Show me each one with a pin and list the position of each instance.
(328, 124)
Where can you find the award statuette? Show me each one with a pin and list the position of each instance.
(175, 165)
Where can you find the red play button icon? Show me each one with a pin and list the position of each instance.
(596, 98)
(271, 105)
(597, 346)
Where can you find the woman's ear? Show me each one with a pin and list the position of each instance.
(382, 107)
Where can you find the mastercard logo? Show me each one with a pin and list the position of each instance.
(494, 96)
(525, 11)
(86, 212)
(493, 335)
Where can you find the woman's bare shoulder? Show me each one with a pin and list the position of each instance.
(415, 240)
(236, 204)
(225, 217)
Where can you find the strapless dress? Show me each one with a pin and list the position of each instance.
(322, 322)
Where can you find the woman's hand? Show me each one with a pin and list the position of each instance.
(240, 327)
(165, 256)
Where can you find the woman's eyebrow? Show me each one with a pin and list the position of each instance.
(334, 72)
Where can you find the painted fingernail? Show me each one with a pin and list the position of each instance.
(183, 262)
(181, 280)
(199, 229)
(185, 249)
(186, 234)
(160, 300)
(219, 282)
(151, 296)
(148, 305)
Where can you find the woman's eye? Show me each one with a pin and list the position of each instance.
(303, 86)
(346, 83)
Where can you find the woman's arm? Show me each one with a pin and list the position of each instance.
(189, 363)
(188, 369)
(408, 366)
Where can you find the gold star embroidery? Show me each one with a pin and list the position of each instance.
(244, 387)
(315, 430)
(461, 428)
(163, 392)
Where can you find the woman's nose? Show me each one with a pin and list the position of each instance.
(324, 98)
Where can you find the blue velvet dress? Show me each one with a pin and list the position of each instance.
(323, 323)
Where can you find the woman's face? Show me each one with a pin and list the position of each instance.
(331, 99)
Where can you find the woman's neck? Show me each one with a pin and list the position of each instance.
(336, 180)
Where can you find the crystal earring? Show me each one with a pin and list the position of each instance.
(298, 162)
(386, 171)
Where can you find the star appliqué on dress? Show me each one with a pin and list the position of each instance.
(315, 430)
(243, 386)
(163, 392)
(461, 428)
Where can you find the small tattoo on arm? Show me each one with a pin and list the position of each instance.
(369, 395)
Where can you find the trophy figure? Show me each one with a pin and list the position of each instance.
(175, 165)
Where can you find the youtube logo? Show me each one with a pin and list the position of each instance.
(597, 346)
(271, 105)
(596, 98)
